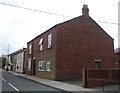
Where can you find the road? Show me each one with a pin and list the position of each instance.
(11, 82)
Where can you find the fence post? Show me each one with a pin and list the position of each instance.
(84, 78)
(102, 79)
(110, 74)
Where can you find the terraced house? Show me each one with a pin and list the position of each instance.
(117, 58)
(64, 50)
(17, 60)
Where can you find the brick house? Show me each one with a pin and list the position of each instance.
(63, 50)
(117, 58)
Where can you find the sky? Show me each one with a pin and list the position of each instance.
(119, 25)
(18, 26)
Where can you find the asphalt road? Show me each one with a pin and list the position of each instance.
(11, 82)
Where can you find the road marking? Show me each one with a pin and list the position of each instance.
(13, 87)
(3, 79)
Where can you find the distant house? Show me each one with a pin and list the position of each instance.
(117, 58)
(18, 59)
(64, 50)
(8, 63)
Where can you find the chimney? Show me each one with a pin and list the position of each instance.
(85, 10)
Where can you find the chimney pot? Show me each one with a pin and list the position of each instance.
(85, 10)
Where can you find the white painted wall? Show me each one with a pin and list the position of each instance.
(19, 63)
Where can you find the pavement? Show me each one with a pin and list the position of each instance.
(60, 85)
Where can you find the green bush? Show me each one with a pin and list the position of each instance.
(2, 62)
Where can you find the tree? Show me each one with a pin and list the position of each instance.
(2, 62)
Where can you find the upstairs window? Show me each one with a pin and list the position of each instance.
(30, 48)
(41, 44)
(49, 40)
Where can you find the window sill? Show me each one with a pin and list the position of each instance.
(29, 69)
(49, 48)
(49, 71)
(40, 50)
(41, 70)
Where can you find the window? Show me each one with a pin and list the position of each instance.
(29, 64)
(48, 66)
(41, 44)
(30, 47)
(41, 66)
(49, 40)
(98, 63)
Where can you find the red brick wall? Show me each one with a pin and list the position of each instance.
(47, 54)
(80, 42)
(27, 57)
(36, 52)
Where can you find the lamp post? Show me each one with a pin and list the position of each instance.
(7, 58)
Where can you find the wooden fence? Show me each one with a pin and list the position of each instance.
(99, 77)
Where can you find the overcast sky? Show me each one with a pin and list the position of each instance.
(18, 26)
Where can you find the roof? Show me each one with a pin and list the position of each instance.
(66, 22)
(18, 51)
(54, 27)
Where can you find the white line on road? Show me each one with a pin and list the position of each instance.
(13, 87)
(3, 79)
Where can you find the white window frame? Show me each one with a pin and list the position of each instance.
(41, 44)
(41, 65)
(29, 64)
(49, 40)
(30, 48)
(48, 66)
